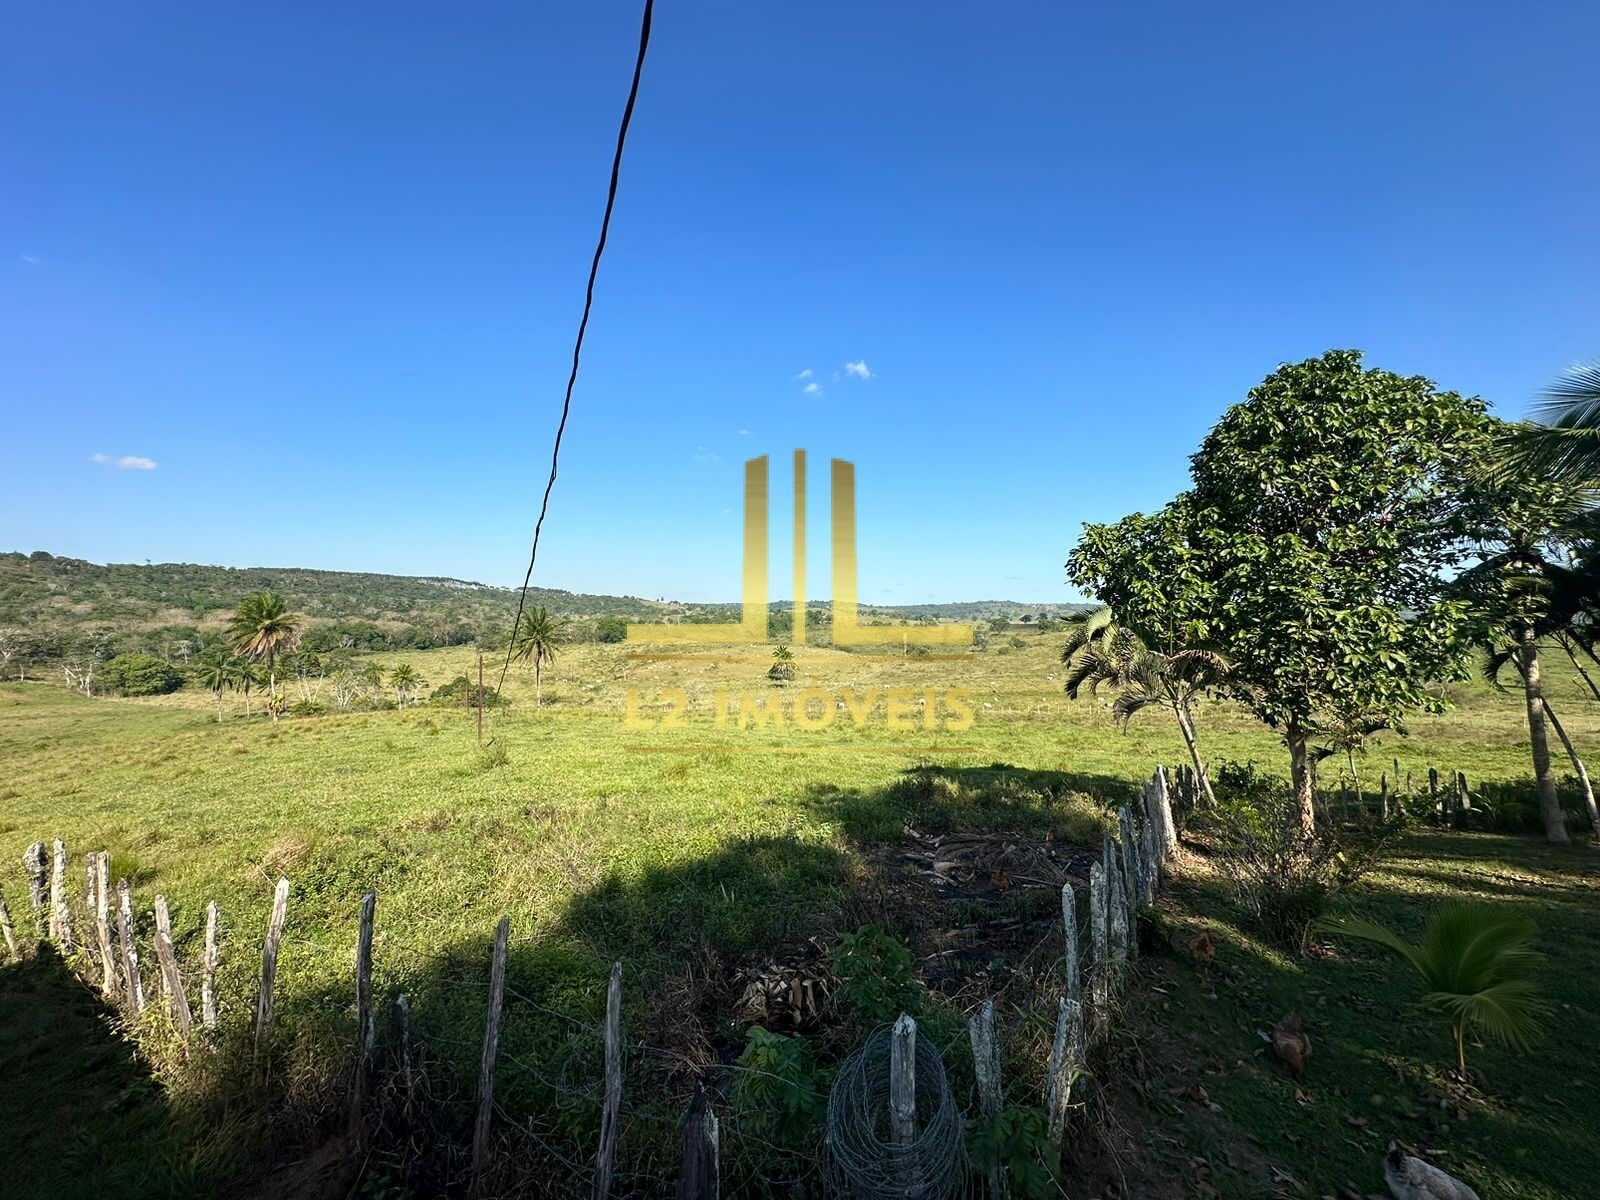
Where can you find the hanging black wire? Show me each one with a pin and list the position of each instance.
(577, 346)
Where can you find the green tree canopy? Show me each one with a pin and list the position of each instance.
(261, 629)
(1327, 510)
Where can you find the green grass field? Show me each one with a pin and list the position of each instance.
(694, 855)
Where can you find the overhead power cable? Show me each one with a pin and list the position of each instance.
(577, 345)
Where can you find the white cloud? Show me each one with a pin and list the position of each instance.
(125, 462)
(806, 374)
(858, 368)
(31, 259)
(744, 433)
(812, 389)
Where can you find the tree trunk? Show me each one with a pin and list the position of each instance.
(537, 672)
(1577, 766)
(1555, 828)
(1300, 774)
(1186, 727)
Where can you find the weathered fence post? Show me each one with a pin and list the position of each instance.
(986, 1059)
(60, 907)
(491, 1046)
(7, 931)
(700, 1175)
(1167, 827)
(1463, 797)
(133, 986)
(269, 964)
(1097, 936)
(177, 1002)
(364, 1027)
(1433, 792)
(1066, 1059)
(1133, 870)
(101, 893)
(611, 1112)
(1069, 931)
(33, 862)
(208, 981)
(1383, 797)
(1116, 904)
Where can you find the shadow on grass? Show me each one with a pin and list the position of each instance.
(940, 799)
(78, 1115)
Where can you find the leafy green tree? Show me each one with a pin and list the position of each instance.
(261, 629)
(1478, 965)
(1327, 510)
(537, 638)
(141, 675)
(611, 630)
(1101, 654)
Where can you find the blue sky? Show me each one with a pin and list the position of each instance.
(321, 265)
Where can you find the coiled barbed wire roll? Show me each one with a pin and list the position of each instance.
(862, 1161)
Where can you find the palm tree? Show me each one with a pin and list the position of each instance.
(247, 675)
(404, 680)
(1563, 444)
(1100, 653)
(1478, 966)
(217, 674)
(536, 640)
(261, 628)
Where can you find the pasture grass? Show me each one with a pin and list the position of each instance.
(692, 855)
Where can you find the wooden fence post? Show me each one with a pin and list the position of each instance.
(1116, 904)
(1066, 1060)
(1433, 792)
(208, 981)
(1383, 796)
(60, 907)
(269, 964)
(33, 862)
(700, 1175)
(1133, 870)
(5, 929)
(986, 1067)
(611, 1112)
(177, 1002)
(133, 986)
(1097, 936)
(364, 1027)
(1463, 796)
(491, 1045)
(101, 863)
(1069, 931)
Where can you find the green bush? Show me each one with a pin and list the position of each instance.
(461, 692)
(610, 630)
(780, 1087)
(873, 968)
(140, 675)
(1018, 1142)
(1282, 876)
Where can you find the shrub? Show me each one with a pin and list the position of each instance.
(610, 630)
(461, 692)
(140, 675)
(874, 972)
(1018, 1142)
(1478, 965)
(1284, 877)
(780, 1087)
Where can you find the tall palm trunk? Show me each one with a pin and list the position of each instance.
(1300, 775)
(1577, 766)
(538, 672)
(1186, 727)
(1555, 828)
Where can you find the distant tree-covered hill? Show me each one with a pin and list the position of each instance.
(60, 607)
